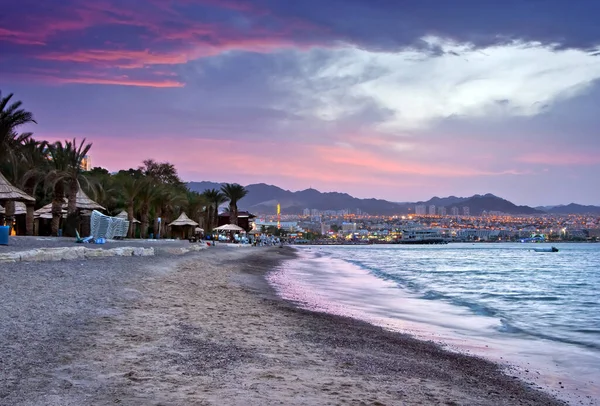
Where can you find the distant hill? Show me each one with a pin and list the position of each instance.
(444, 201)
(263, 198)
(488, 202)
(573, 208)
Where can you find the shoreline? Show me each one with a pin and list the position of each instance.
(208, 329)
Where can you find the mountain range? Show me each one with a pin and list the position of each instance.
(263, 198)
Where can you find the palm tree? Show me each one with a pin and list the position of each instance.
(168, 199)
(11, 117)
(214, 199)
(131, 188)
(195, 205)
(234, 192)
(145, 198)
(104, 188)
(30, 167)
(65, 176)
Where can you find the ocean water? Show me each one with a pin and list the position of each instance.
(538, 314)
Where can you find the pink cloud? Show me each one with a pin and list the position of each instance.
(51, 77)
(170, 38)
(560, 158)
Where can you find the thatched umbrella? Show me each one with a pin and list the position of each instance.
(10, 194)
(229, 227)
(185, 222)
(123, 215)
(82, 201)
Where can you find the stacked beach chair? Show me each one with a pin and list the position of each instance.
(103, 226)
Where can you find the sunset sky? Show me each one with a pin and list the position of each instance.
(394, 99)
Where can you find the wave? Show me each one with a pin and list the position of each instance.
(478, 303)
(507, 327)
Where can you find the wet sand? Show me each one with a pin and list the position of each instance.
(206, 329)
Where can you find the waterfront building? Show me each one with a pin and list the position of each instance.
(432, 209)
(349, 227)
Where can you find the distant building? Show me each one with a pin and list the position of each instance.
(324, 228)
(306, 212)
(442, 211)
(420, 210)
(86, 163)
(466, 211)
(314, 212)
(454, 211)
(349, 227)
(432, 209)
(244, 219)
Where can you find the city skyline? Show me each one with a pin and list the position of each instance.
(356, 96)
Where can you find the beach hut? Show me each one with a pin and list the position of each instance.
(10, 194)
(244, 219)
(83, 203)
(184, 225)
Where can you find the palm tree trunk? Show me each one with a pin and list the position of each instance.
(9, 214)
(233, 213)
(145, 221)
(216, 216)
(72, 223)
(29, 216)
(29, 219)
(72, 197)
(168, 217)
(58, 200)
(208, 218)
(130, 232)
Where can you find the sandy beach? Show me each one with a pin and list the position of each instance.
(206, 329)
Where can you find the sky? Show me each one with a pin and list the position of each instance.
(395, 99)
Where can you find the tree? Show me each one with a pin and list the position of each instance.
(195, 205)
(145, 198)
(11, 117)
(65, 176)
(161, 172)
(234, 193)
(131, 188)
(214, 199)
(167, 200)
(30, 166)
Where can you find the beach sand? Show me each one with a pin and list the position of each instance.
(206, 329)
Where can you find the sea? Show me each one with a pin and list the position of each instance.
(537, 314)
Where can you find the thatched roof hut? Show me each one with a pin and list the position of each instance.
(82, 201)
(10, 193)
(123, 215)
(85, 203)
(187, 225)
(183, 220)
